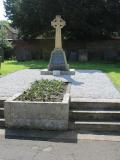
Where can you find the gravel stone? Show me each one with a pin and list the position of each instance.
(84, 84)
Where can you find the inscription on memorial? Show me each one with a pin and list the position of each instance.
(57, 58)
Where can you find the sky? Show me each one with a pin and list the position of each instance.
(2, 11)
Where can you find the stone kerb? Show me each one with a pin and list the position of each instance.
(59, 73)
(37, 115)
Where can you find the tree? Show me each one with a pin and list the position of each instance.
(4, 43)
(85, 18)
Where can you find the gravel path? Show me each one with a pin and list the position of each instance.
(93, 84)
(85, 84)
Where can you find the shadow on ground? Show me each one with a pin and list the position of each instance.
(73, 81)
(52, 136)
(61, 136)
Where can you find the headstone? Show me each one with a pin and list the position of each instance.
(0, 63)
(73, 56)
(58, 58)
(2, 54)
(23, 54)
(83, 56)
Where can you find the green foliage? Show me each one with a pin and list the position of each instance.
(85, 18)
(5, 23)
(45, 91)
(4, 43)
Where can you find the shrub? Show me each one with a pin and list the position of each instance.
(44, 90)
(4, 43)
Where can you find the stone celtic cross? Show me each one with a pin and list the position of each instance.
(58, 23)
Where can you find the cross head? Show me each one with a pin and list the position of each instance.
(58, 22)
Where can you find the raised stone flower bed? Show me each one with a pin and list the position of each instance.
(37, 114)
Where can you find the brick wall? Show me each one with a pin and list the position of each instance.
(75, 50)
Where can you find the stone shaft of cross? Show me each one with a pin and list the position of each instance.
(58, 23)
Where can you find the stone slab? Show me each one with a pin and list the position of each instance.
(46, 72)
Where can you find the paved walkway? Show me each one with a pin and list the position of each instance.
(85, 84)
(41, 150)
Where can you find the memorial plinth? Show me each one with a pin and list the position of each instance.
(58, 63)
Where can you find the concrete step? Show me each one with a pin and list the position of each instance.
(2, 123)
(2, 103)
(94, 115)
(106, 127)
(94, 104)
(1, 112)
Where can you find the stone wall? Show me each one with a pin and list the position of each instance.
(75, 50)
(37, 115)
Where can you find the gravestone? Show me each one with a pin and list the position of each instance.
(2, 54)
(58, 58)
(73, 56)
(0, 63)
(58, 62)
(83, 55)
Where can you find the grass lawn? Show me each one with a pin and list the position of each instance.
(112, 69)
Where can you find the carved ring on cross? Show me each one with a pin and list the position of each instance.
(58, 22)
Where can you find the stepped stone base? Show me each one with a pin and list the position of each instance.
(2, 112)
(2, 120)
(57, 72)
(2, 103)
(2, 123)
(95, 127)
(95, 115)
